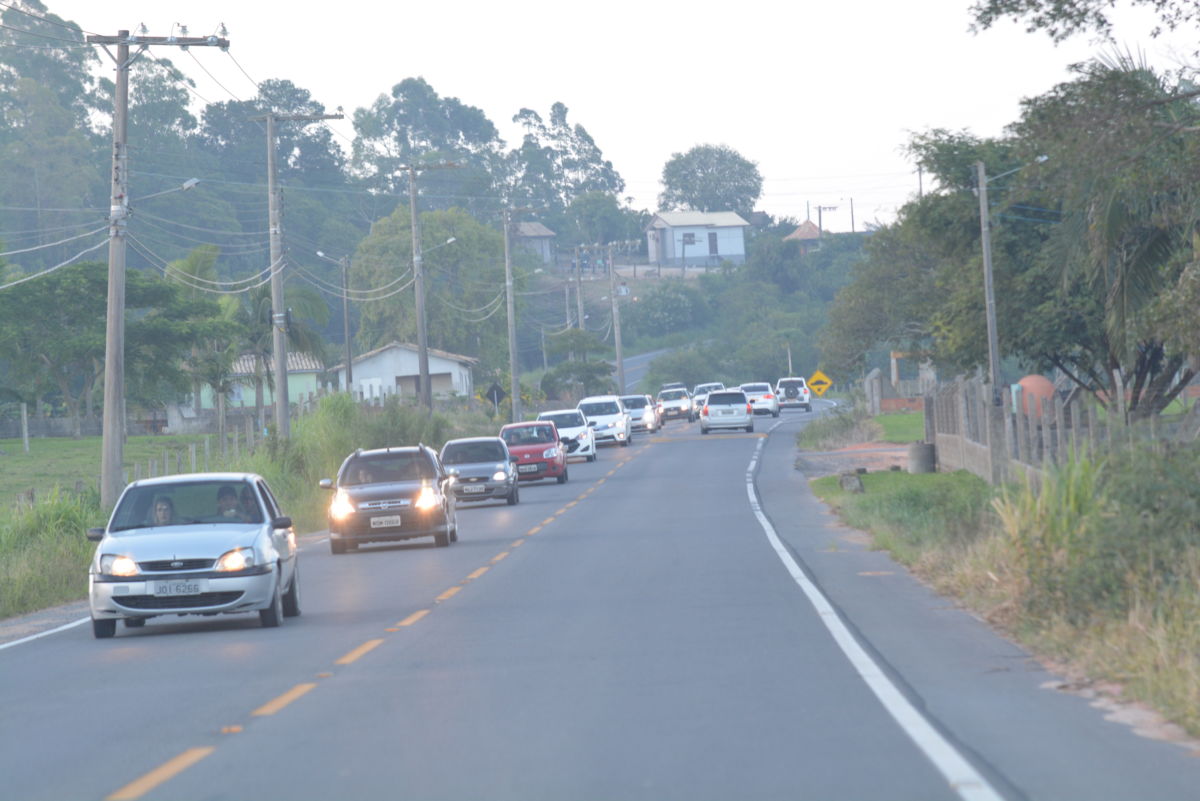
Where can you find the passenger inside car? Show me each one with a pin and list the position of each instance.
(164, 511)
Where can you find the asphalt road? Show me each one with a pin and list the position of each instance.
(650, 630)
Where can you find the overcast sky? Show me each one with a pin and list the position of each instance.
(821, 95)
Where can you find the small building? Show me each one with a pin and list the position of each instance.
(394, 369)
(697, 238)
(807, 234)
(538, 238)
(303, 376)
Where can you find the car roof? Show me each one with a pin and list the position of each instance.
(792, 378)
(473, 439)
(183, 477)
(556, 411)
(527, 424)
(599, 398)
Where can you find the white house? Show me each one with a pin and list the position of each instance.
(538, 238)
(696, 238)
(394, 369)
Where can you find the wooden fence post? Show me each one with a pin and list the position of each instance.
(207, 448)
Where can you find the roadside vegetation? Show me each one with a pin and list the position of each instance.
(43, 551)
(1099, 569)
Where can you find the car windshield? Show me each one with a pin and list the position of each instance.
(186, 503)
(565, 419)
(634, 403)
(528, 435)
(727, 399)
(472, 452)
(385, 468)
(600, 408)
(673, 394)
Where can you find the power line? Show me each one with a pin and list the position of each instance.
(60, 24)
(54, 244)
(214, 78)
(49, 270)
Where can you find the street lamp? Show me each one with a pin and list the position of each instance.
(344, 261)
(989, 295)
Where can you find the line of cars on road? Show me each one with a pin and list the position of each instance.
(218, 543)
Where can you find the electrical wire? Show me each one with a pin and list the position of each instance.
(214, 78)
(202, 230)
(333, 289)
(49, 270)
(60, 24)
(480, 310)
(73, 42)
(363, 300)
(53, 244)
(257, 85)
(164, 267)
(186, 85)
(257, 276)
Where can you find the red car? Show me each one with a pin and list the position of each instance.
(538, 452)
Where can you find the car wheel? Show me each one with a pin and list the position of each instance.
(625, 442)
(442, 539)
(750, 429)
(103, 629)
(291, 599)
(272, 616)
(703, 430)
(134, 622)
(514, 496)
(337, 546)
(775, 413)
(591, 457)
(454, 532)
(562, 479)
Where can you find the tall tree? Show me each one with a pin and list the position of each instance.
(1065, 18)
(710, 178)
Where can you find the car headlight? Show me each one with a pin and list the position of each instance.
(613, 424)
(583, 435)
(427, 499)
(235, 560)
(117, 565)
(341, 507)
(499, 475)
(550, 453)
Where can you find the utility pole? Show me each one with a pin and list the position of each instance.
(989, 295)
(515, 377)
(579, 288)
(820, 224)
(279, 315)
(616, 318)
(346, 323)
(113, 433)
(852, 215)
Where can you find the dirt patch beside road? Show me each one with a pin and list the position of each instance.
(871, 456)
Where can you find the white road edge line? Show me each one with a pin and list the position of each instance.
(46, 633)
(964, 780)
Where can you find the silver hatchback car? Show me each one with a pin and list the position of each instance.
(726, 409)
(196, 544)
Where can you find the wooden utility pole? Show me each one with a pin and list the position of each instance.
(989, 296)
(616, 318)
(579, 287)
(112, 446)
(279, 315)
(346, 323)
(514, 375)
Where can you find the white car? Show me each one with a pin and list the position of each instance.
(607, 418)
(573, 428)
(762, 398)
(676, 402)
(726, 409)
(793, 392)
(193, 544)
(700, 394)
(643, 412)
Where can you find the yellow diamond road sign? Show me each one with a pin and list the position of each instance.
(819, 382)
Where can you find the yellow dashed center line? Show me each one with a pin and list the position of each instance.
(533, 531)
(476, 574)
(601, 481)
(448, 594)
(612, 472)
(165, 771)
(271, 707)
(561, 511)
(517, 544)
(357, 652)
(547, 521)
(413, 618)
(570, 504)
(499, 556)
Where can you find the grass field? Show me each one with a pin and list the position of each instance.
(61, 461)
(902, 427)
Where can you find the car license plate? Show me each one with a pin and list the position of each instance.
(180, 587)
(729, 411)
(527, 468)
(473, 489)
(385, 521)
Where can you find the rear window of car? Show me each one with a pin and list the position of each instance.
(727, 399)
(673, 394)
(704, 389)
(565, 419)
(599, 409)
(528, 435)
(794, 382)
(472, 452)
(756, 387)
(637, 402)
(384, 468)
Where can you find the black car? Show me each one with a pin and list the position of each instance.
(388, 495)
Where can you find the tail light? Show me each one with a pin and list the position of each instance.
(704, 412)
(749, 408)
(768, 396)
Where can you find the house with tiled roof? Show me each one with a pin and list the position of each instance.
(394, 369)
(807, 234)
(304, 379)
(696, 238)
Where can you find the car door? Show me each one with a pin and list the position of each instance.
(283, 539)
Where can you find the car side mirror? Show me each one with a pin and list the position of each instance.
(282, 522)
(95, 534)
(325, 483)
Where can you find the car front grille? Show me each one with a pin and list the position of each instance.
(176, 564)
(379, 506)
(178, 601)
